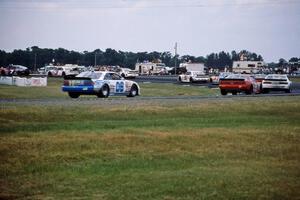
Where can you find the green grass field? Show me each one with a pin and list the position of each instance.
(232, 149)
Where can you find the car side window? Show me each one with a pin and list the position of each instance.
(107, 76)
(115, 76)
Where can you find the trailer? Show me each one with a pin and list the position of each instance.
(248, 67)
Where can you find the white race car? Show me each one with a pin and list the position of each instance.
(102, 84)
(193, 76)
(276, 82)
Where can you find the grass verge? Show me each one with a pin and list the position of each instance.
(209, 150)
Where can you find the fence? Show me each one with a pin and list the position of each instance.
(17, 81)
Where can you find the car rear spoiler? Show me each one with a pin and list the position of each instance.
(275, 79)
(72, 77)
(232, 79)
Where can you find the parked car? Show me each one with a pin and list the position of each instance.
(276, 82)
(193, 76)
(102, 84)
(236, 83)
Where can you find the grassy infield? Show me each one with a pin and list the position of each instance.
(232, 149)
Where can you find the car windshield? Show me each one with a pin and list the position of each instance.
(276, 76)
(92, 75)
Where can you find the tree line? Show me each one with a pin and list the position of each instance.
(39, 57)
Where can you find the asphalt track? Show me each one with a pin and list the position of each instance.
(111, 101)
(124, 101)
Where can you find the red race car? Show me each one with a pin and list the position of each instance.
(236, 83)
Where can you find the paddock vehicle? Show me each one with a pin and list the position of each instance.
(99, 83)
(237, 83)
(193, 76)
(277, 82)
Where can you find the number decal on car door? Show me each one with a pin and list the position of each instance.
(120, 87)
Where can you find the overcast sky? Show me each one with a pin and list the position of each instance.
(268, 27)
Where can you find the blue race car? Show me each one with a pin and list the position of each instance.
(99, 83)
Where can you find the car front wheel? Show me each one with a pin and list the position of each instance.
(133, 91)
(223, 92)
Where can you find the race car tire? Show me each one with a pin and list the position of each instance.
(250, 91)
(191, 80)
(265, 91)
(234, 93)
(179, 79)
(288, 90)
(73, 95)
(49, 74)
(104, 92)
(223, 92)
(133, 91)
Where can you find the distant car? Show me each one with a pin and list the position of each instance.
(4, 71)
(277, 82)
(216, 78)
(102, 84)
(259, 79)
(128, 73)
(193, 76)
(15, 70)
(236, 83)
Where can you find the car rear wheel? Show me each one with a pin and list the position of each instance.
(223, 92)
(133, 91)
(179, 79)
(234, 93)
(104, 92)
(265, 91)
(74, 95)
(191, 80)
(250, 91)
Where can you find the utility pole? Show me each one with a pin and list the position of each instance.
(175, 56)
